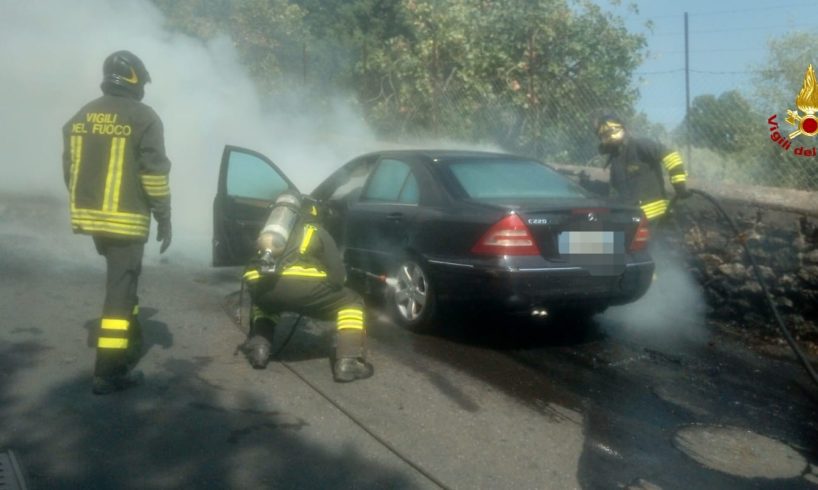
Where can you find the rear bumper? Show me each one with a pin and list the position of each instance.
(558, 287)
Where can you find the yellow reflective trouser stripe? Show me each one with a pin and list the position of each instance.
(256, 313)
(115, 324)
(305, 242)
(351, 312)
(350, 324)
(155, 185)
(112, 343)
(672, 160)
(303, 272)
(76, 158)
(678, 179)
(114, 179)
(252, 275)
(352, 318)
(655, 209)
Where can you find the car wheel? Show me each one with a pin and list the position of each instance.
(412, 299)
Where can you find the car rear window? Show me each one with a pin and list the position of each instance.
(502, 179)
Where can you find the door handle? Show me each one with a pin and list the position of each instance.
(394, 217)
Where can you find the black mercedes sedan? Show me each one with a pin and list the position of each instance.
(432, 228)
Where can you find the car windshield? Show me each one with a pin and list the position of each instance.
(502, 179)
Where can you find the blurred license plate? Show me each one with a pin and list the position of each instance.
(590, 242)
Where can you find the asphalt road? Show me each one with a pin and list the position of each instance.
(650, 401)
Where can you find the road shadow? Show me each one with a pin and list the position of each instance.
(632, 397)
(175, 431)
(501, 331)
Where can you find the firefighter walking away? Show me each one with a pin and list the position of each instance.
(299, 270)
(637, 166)
(116, 172)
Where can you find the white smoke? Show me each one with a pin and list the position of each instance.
(672, 310)
(51, 54)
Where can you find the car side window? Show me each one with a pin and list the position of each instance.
(251, 177)
(354, 181)
(409, 194)
(388, 182)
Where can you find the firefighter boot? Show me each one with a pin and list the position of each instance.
(111, 371)
(348, 369)
(350, 361)
(257, 348)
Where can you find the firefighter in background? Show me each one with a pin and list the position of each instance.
(116, 172)
(300, 270)
(636, 165)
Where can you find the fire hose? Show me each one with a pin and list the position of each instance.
(328, 398)
(757, 273)
(391, 282)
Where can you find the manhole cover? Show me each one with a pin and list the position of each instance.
(739, 452)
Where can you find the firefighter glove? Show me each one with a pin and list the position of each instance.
(164, 234)
(681, 190)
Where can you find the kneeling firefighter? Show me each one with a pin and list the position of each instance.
(299, 270)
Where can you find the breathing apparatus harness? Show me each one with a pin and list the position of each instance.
(272, 242)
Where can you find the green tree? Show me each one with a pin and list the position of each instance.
(726, 124)
(780, 76)
(269, 34)
(530, 75)
(779, 79)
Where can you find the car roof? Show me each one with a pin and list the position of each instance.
(444, 156)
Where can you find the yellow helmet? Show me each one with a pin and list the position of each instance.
(610, 130)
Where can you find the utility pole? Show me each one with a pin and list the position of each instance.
(304, 62)
(687, 99)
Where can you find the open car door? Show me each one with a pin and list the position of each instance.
(249, 183)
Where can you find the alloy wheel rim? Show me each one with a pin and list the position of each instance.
(411, 291)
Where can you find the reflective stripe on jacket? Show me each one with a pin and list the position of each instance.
(636, 169)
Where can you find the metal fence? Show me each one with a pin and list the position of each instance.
(725, 138)
(722, 143)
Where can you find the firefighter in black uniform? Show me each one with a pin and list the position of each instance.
(116, 172)
(636, 165)
(300, 270)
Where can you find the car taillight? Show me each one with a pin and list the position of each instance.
(509, 236)
(642, 235)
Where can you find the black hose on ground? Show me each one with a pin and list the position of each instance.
(756, 271)
(340, 408)
(287, 340)
(241, 325)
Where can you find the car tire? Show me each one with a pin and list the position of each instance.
(412, 302)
